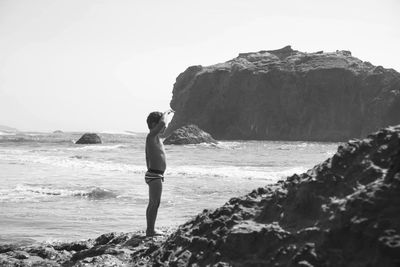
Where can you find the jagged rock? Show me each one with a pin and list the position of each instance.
(112, 249)
(89, 138)
(189, 134)
(286, 94)
(343, 212)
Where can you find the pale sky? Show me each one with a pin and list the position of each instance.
(91, 65)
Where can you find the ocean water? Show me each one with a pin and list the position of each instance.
(52, 189)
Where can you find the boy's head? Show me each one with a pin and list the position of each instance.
(153, 119)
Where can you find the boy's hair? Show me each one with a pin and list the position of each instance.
(154, 117)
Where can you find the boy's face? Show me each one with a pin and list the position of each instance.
(155, 124)
(163, 130)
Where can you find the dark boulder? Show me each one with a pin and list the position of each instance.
(189, 134)
(286, 94)
(89, 138)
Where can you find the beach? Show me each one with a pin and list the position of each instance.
(55, 190)
(342, 212)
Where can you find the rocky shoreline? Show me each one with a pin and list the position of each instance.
(343, 212)
(111, 249)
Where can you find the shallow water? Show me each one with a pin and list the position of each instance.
(52, 189)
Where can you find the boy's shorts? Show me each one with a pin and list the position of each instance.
(152, 175)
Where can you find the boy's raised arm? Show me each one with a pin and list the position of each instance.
(161, 124)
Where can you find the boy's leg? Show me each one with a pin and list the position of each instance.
(155, 190)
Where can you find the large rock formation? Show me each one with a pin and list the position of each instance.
(89, 138)
(189, 134)
(288, 95)
(343, 212)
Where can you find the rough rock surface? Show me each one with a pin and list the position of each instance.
(189, 134)
(343, 212)
(112, 249)
(287, 95)
(89, 138)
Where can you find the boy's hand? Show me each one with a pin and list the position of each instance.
(169, 111)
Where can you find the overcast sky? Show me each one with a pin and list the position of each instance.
(89, 65)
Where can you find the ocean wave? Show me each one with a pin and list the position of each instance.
(71, 162)
(84, 162)
(15, 139)
(220, 144)
(295, 145)
(79, 157)
(98, 147)
(263, 173)
(32, 192)
(32, 139)
(119, 133)
(83, 148)
(97, 193)
(7, 133)
(229, 145)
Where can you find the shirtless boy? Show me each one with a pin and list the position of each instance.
(156, 165)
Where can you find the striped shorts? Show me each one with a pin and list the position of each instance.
(151, 176)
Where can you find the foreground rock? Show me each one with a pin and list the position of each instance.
(343, 212)
(287, 95)
(189, 134)
(89, 138)
(112, 249)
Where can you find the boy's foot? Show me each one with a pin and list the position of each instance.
(154, 233)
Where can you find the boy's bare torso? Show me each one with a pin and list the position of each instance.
(155, 153)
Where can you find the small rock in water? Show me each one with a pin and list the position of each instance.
(89, 138)
(189, 134)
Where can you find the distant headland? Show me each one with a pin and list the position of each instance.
(7, 129)
(286, 94)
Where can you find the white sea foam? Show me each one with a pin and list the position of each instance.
(36, 192)
(83, 162)
(6, 133)
(264, 173)
(229, 145)
(37, 134)
(75, 163)
(83, 148)
(119, 132)
(220, 144)
(98, 147)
